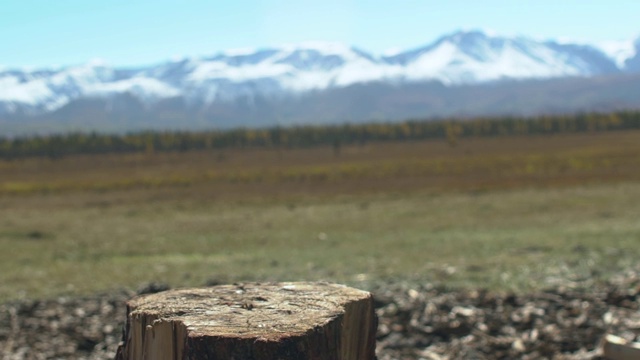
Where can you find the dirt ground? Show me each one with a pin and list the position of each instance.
(416, 321)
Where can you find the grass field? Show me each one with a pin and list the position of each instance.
(510, 213)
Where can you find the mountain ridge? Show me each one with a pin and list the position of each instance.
(216, 85)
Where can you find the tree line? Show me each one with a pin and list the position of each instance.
(55, 146)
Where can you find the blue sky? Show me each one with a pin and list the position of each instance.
(43, 33)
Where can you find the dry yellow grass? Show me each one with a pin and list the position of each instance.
(509, 213)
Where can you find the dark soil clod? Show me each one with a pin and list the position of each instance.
(416, 321)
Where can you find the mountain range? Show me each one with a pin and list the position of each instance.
(467, 73)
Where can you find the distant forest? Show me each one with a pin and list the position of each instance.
(55, 146)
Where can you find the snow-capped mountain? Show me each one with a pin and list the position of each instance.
(288, 69)
(38, 91)
(632, 63)
(471, 57)
(619, 51)
(456, 59)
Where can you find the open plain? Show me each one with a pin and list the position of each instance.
(507, 213)
(506, 247)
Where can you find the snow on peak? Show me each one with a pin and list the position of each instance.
(392, 51)
(324, 47)
(620, 50)
(473, 56)
(289, 67)
(146, 89)
(472, 34)
(462, 57)
(50, 90)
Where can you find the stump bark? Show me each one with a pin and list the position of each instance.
(319, 321)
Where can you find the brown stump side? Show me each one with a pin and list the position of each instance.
(317, 321)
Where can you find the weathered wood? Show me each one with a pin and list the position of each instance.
(317, 321)
(617, 348)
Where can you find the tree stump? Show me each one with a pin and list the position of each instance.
(319, 321)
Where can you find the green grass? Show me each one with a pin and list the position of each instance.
(517, 239)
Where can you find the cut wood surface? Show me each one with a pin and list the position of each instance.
(617, 348)
(252, 321)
